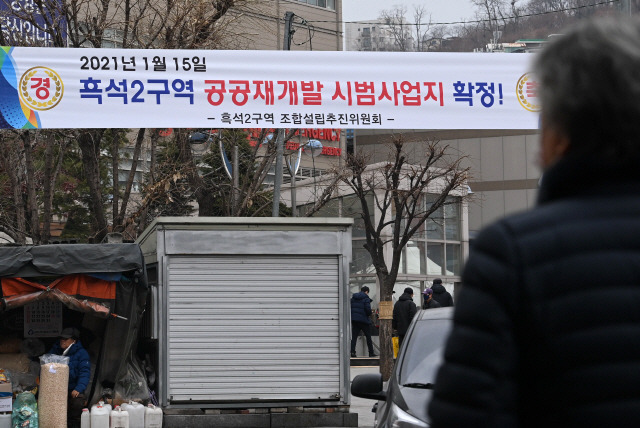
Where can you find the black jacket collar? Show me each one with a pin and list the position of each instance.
(586, 175)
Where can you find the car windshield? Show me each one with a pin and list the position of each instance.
(424, 351)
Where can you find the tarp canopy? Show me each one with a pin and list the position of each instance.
(83, 277)
(79, 292)
(101, 279)
(45, 260)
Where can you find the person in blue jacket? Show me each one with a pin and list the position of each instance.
(360, 321)
(79, 372)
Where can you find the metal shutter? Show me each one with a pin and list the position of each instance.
(253, 328)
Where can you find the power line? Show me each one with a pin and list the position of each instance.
(305, 23)
(475, 21)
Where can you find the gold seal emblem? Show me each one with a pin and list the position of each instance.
(527, 89)
(41, 88)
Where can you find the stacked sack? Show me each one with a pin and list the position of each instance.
(54, 384)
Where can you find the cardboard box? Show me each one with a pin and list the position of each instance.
(6, 397)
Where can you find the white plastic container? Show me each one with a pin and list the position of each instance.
(152, 417)
(99, 416)
(119, 418)
(136, 414)
(5, 420)
(103, 404)
(85, 419)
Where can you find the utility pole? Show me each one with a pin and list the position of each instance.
(277, 183)
(288, 20)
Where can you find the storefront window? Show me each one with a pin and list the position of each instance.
(453, 259)
(444, 233)
(435, 259)
(452, 220)
(435, 222)
(413, 258)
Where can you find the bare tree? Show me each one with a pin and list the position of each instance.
(406, 36)
(55, 146)
(32, 163)
(396, 22)
(398, 190)
(514, 19)
(168, 24)
(208, 183)
(421, 28)
(13, 210)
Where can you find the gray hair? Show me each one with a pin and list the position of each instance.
(590, 86)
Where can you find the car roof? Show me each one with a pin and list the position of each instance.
(435, 314)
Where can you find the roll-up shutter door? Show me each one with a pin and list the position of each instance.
(253, 328)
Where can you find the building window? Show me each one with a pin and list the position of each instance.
(413, 259)
(436, 248)
(327, 4)
(444, 248)
(112, 38)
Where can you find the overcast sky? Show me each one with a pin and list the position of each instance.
(441, 10)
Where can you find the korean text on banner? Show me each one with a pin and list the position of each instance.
(128, 88)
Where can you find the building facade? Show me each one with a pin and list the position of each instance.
(260, 25)
(504, 173)
(368, 36)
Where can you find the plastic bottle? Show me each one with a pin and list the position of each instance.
(136, 414)
(5, 420)
(85, 419)
(103, 404)
(99, 416)
(119, 418)
(152, 417)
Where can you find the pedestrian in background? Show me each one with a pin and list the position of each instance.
(429, 301)
(361, 320)
(403, 312)
(440, 294)
(546, 324)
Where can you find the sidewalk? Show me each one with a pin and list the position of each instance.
(362, 406)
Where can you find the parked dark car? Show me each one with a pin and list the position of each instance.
(404, 402)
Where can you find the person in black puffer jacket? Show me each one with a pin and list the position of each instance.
(546, 326)
(403, 312)
(440, 294)
(360, 320)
